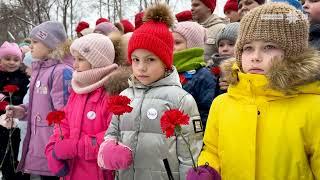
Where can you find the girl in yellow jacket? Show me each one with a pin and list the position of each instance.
(267, 126)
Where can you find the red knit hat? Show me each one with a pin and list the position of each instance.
(127, 26)
(184, 16)
(101, 20)
(154, 35)
(138, 19)
(81, 26)
(211, 4)
(231, 5)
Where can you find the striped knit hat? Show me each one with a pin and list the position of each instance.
(193, 32)
(154, 35)
(276, 22)
(96, 48)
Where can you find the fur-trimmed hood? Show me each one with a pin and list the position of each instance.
(62, 51)
(286, 76)
(118, 80)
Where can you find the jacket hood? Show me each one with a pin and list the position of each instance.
(290, 76)
(118, 80)
(171, 79)
(61, 51)
(213, 20)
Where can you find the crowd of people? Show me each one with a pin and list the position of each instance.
(246, 85)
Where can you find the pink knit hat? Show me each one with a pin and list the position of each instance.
(106, 28)
(98, 49)
(193, 32)
(10, 49)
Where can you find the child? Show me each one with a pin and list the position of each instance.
(154, 88)
(10, 61)
(105, 28)
(267, 125)
(312, 9)
(231, 10)
(87, 117)
(49, 86)
(226, 40)
(188, 58)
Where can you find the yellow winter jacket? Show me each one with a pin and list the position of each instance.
(256, 133)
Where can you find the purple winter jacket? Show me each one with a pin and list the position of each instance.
(49, 90)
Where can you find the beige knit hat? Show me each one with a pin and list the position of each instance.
(276, 22)
(98, 49)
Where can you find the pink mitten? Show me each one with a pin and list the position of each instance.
(66, 149)
(114, 156)
(203, 173)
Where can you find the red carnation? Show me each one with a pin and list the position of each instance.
(119, 105)
(3, 105)
(55, 117)
(216, 70)
(171, 120)
(10, 88)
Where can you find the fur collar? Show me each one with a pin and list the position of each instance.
(286, 75)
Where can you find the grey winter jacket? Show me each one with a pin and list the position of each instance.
(141, 130)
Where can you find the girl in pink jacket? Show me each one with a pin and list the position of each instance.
(86, 114)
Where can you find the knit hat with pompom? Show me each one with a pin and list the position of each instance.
(154, 35)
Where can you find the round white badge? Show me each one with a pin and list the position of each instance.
(152, 113)
(91, 115)
(38, 83)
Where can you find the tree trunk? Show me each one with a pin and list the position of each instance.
(71, 18)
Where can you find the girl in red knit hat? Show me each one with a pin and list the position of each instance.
(153, 89)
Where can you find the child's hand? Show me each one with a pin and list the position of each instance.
(7, 122)
(2, 97)
(223, 84)
(15, 112)
(114, 155)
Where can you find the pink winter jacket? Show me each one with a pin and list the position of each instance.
(86, 121)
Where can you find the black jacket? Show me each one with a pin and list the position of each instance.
(17, 78)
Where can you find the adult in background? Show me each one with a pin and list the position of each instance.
(202, 12)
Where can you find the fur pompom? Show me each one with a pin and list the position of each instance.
(159, 13)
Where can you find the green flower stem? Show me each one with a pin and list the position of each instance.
(119, 134)
(61, 136)
(178, 129)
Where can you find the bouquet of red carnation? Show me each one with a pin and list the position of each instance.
(55, 117)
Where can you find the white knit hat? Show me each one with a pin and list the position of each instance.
(98, 49)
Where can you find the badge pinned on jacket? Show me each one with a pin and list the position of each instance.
(197, 125)
(91, 115)
(152, 113)
(38, 83)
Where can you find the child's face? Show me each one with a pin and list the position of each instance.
(312, 8)
(257, 56)
(226, 48)
(245, 6)
(10, 63)
(39, 50)
(180, 43)
(80, 63)
(146, 66)
(233, 16)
